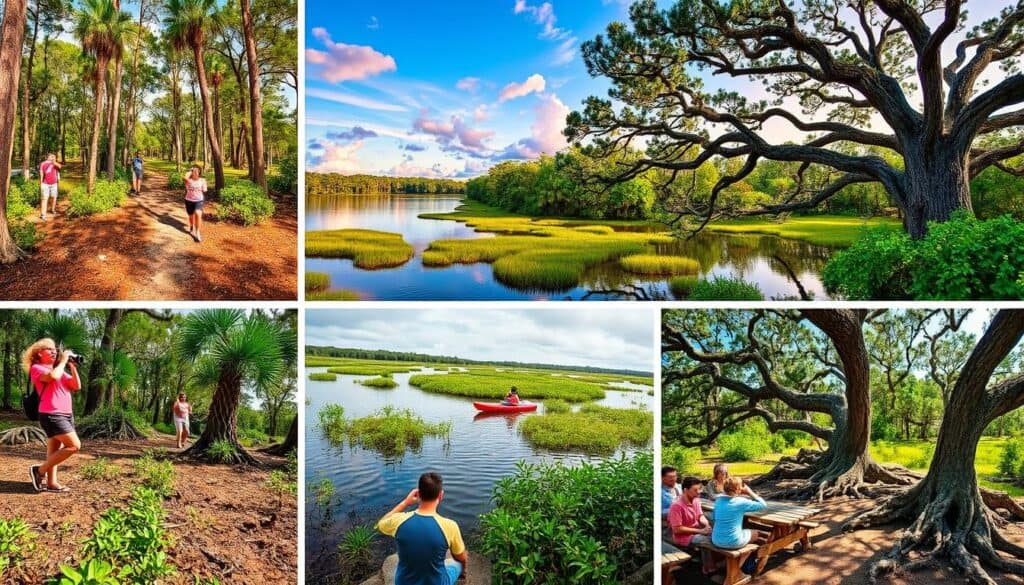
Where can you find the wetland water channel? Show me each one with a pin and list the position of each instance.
(480, 451)
(780, 267)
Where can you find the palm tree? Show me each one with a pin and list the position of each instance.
(255, 109)
(187, 22)
(230, 349)
(12, 33)
(101, 27)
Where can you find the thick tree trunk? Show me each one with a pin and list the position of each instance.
(26, 109)
(222, 422)
(176, 113)
(12, 33)
(211, 134)
(8, 350)
(255, 109)
(94, 145)
(115, 110)
(290, 442)
(95, 396)
(937, 185)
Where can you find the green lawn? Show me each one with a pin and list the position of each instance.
(838, 231)
(906, 453)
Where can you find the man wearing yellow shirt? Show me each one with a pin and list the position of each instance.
(424, 537)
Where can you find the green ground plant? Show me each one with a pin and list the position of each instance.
(324, 493)
(221, 451)
(356, 546)
(682, 286)
(554, 524)
(659, 265)
(389, 431)
(334, 295)
(16, 544)
(725, 289)
(279, 482)
(593, 429)
(156, 475)
(20, 208)
(368, 249)
(835, 231)
(244, 202)
(99, 469)
(491, 384)
(684, 459)
(105, 196)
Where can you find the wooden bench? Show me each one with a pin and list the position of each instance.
(671, 560)
(734, 559)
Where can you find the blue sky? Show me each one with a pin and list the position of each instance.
(444, 88)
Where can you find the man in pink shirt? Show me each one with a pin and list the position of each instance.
(48, 179)
(687, 520)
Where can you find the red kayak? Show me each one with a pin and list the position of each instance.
(498, 407)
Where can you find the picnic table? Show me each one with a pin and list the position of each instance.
(785, 522)
(671, 559)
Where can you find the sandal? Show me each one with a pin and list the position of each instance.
(57, 490)
(33, 470)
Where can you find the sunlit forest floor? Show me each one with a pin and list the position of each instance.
(143, 251)
(225, 521)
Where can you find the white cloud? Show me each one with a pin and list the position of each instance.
(468, 84)
(342, 62)
(353, 100)
(545, 132)
(533, 83)
(328, 156)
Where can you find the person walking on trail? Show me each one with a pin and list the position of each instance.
(195, 188)
(137, 173)
(49, 177)
(424, 537)
(182, 409)
(54, 377)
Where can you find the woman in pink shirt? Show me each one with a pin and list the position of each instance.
(689, 525)
(195, 187)
(54, 385)
(181, 411)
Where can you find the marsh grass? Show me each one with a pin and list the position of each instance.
(389, 431)
(333, 295)
(480, 383)
(593, 429)
(659, 265)
(323, 376)
(384, 382)
(556, 405)
(317, 281)
(368, 249)
(725, 289)
(835, 231)
(369, 370)
(682, 286)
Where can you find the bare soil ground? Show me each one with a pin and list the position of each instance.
(224, 521)
(143, 251)
(840, 558)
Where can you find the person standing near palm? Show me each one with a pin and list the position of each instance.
(182, 410)
(49, 177)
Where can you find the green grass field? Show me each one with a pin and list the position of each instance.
(495, 385)
(837, 231)
(909, 454)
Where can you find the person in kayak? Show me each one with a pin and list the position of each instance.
(512, 399)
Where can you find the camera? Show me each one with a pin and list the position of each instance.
(77, 358)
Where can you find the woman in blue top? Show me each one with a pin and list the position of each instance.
(728, 531)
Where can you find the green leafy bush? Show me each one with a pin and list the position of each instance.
(554, 524)
(19, 208)
(15, 543)
(91, 572)
(725, 289)
(286, 179)
(221, 451)
(244, 202)
(1012, 458)
(684, 459)
(106, 195)
(176, 180)
(324, 493)
(750, 442)
(133, 541)
(963, 258)
(280, 483)
(165, 428)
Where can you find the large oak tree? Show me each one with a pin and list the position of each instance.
(871, 77)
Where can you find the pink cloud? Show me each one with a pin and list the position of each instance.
(454, 135)
(480, 113)
(343, 62)
(468, 83)
(533, 83)
(545, 132)
(329, 156)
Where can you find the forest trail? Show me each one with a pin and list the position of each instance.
(143, 251)
(224, 520)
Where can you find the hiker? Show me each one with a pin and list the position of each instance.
(423, 537)
(51, 379)
(182, 409)
(738, 499)
(195, 186)
(512, 399)
(137, 173)
(48, 179)
(688, 523)
(716, 485)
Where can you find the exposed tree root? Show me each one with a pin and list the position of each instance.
(835, 478)
(119, 429)
(22, 436)
(281, 449)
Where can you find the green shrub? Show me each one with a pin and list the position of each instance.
(281, 484)
(391, 432)
(682, 286)
(684, 459)
(91, 572)
(244, 202)
(165, 428)
(324, 493)
(1012, 458)
(133, 541)
(106, 195)
(19, 208)
(100, 468)
(15, 543)
(286, 179)
(156, 475)
(176, 180)
(555, 524)
(221, 451)
(750, 442)
(961, 259)
(356, 546)
(725, 289)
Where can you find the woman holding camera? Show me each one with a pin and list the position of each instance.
(195, 187)
(54, 377)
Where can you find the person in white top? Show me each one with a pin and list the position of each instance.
(195, 187)
(182, 409)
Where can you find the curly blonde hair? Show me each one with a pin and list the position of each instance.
(31, 355)
(733, 485)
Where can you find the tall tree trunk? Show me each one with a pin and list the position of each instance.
(26, 107)
(12, 33)
(130, 114)
(95, 394)
(115, 110)
(176, 113)
(61, 125)
(222, 421)
(94, 146)
(211, 135)
(8, 350)
(257, 171)
(937, 185)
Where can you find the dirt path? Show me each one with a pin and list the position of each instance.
(224, 521)
(143, 251)
(840, 558)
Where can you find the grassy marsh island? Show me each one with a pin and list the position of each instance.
(368, 249)
(593, 429)
(323, 376)
(389, 431)
(495, 385)
(659, 265)
(384, 382)
(318, 286)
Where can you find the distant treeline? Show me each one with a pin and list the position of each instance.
(334, 184)
(405, 356)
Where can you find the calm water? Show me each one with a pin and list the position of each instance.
(481, 450)
(782, 268)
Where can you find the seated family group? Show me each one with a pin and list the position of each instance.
(686, 522)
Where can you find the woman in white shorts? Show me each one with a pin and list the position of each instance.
(182, 409)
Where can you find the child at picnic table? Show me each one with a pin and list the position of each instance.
(738, 499)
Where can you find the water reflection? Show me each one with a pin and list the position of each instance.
(783, 269)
